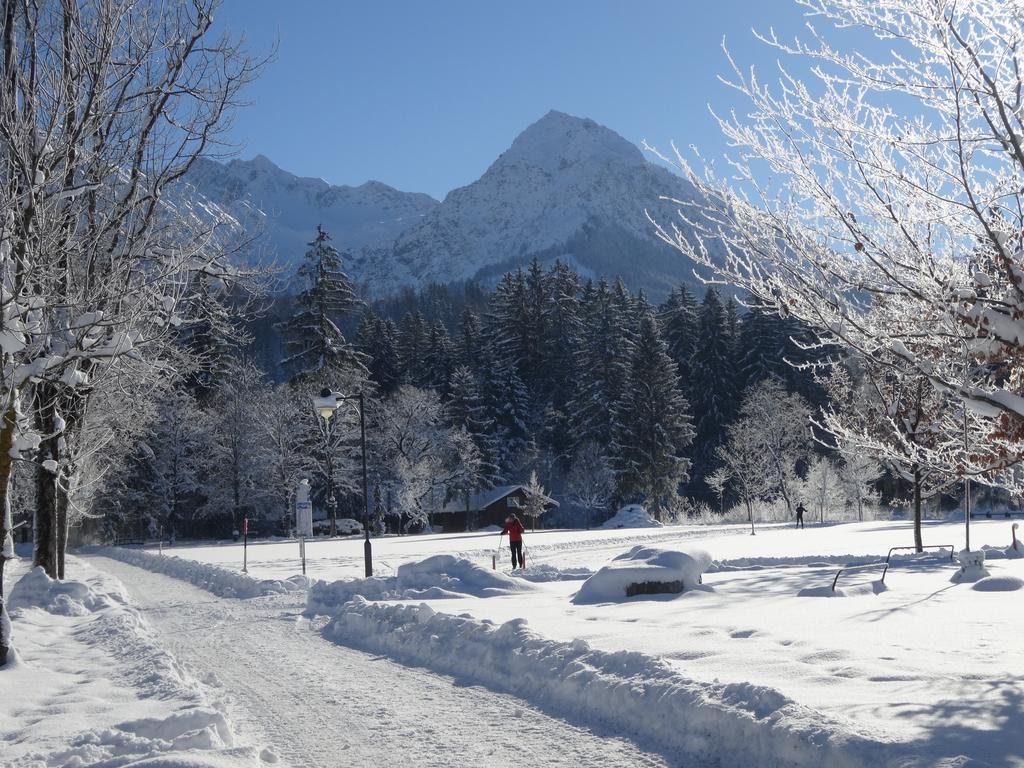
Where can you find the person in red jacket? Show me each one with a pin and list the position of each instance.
(515, 529)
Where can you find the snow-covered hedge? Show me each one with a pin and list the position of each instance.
(435, 578)
(625, 692)
(644, 565)
(213, 578)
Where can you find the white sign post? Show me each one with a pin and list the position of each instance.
(303, 518)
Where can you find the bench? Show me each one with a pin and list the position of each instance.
(884, 564)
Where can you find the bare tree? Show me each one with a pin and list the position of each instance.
(881, 201)
(591, 481)
(104, 105)
(745, 463)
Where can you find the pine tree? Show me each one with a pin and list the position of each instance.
(678, 317)
(652, 426)
(603, 365)
(712, 388)
(468, 347)
(412, 349)
(437, 359)
(559, 379)
(509, 408)
(467, 410)
(385, 367)
(314, 345)
(760, 349)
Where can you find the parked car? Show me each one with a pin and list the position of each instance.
(346, 526)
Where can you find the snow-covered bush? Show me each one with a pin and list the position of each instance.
(631, 516)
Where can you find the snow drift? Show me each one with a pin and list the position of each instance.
(436, 577)
(213, 578)
(64, 598)
(626, 692)
(631, 516)
(72, 626)
(644, 565)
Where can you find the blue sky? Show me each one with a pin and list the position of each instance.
(425, 95)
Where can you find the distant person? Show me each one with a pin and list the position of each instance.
(515, 530)
(800, 515)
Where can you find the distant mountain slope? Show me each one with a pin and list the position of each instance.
(287, 208)
(566, 188)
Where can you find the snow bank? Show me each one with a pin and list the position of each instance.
(625, 692)
(644, 565)
(142, 709)
(65, 598)
(435, 578)
(213, 578)
(632, 516)
(1002, 553)
(545, 572)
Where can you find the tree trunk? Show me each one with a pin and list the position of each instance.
(750, 515)
(45, 545)
(6, 441)
(61, 521)
(918, 541)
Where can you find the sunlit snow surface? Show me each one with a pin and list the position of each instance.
(924, 660)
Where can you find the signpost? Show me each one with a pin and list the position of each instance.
(303, 518)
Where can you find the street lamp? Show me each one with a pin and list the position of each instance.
(326, 405)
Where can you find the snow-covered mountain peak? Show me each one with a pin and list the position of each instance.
(566, 188)
(558, 140)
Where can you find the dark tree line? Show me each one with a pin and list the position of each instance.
(552, 365)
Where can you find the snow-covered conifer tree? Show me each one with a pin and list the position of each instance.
(712, 391)
(315, 347)
(652, 426)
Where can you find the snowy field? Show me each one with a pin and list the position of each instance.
(929, 664)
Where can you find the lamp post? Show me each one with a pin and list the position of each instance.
(326, 405)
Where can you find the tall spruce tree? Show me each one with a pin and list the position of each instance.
(712, 389)
(412, 349)
(467, 410)
(378, 342)
(437, 359)
(652, 426)
(314, 345)
(604, 358)
(678, 316)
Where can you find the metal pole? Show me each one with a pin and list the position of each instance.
(330, 485)
(245, 545)
(367, 547)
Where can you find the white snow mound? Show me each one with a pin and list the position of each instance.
(998, 584)
(642, 565)
(631, 516)
(64, 598)
(436, 578)
(453, 575)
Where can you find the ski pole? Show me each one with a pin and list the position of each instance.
(494, 557)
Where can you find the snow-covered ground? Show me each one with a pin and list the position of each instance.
(930, 665)
(91, 684)
(322, 705)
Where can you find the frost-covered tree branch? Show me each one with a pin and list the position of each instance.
(880, 200)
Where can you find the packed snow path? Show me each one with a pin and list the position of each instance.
(320, 704)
